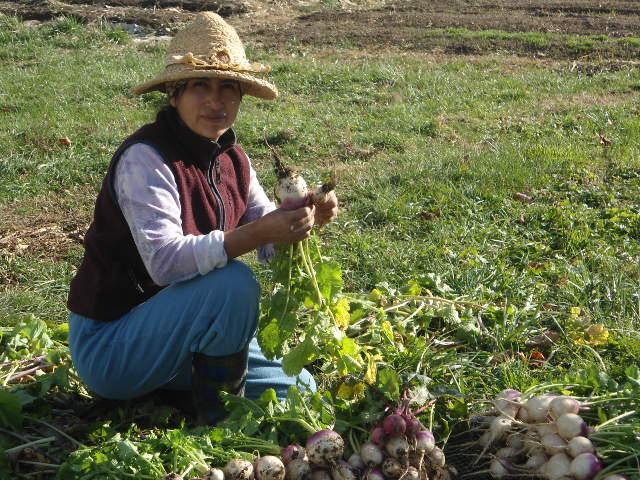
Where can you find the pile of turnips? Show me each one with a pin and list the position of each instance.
(400, 448)
(542, 436)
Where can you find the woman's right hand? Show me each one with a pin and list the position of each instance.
(287, 226)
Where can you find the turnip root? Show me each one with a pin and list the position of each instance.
(563, 404)
(425, 441)
(293, 452)
(507, 453)
(571, 425)
(377, 435)
(506, 403)
(375, 474)
(394, 425)
(319, 193)
(343, 471)
(538, 408)
(515, 440)
(268, 468)
(544, 429)
(325, 447)
(298, 469)
(371, 454)
(579, 445)
(585, 466)
(437, 457)
(553, 444)
(397, 447)
(499, 468)
(557, 467)
(391, 468)
(534, 462)
(355, 460)
(291, 189)
(214, 474)
(238, 469)
(320, 474)
(413, 426)
(411, 473)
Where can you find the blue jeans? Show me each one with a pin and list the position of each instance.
(151, 346)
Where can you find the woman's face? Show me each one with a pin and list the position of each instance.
(208, 106)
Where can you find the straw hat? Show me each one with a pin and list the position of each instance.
(210, 47)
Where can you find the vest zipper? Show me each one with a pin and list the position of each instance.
(212, 183)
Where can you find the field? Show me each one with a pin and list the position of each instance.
(488, 165)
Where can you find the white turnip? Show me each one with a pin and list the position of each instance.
(538, 408)
(397, 447)
(343, 471)
(291, 189)
(579, 445)
(268, 468)
(534, 462)
(324, 448)
(557, 467)
(563, 404)
(499, 428)
(585, 466)
(411, 473)
(499, 468)
(392, 468)
(238, 469)
(437, 457)
(214, 474)
(571, 425)
(371, 454)
(553, 444)
(544, 429)
(506, 402)
(319, 194)
(355, 460)
(298, 469)
(292, 452)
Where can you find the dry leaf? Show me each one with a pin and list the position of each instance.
(544, 340)
(605, 142)
(431, 214)
(523, 197)
(64, 141)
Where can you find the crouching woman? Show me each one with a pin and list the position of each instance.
(159, 301)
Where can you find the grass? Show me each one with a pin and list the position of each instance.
(431, 156)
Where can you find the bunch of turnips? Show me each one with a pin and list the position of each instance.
(542, 436)
(400, 448)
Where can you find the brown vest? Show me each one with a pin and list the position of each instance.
(213, 183)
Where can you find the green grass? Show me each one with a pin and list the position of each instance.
(408, 137)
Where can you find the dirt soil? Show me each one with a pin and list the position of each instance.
(372, 24)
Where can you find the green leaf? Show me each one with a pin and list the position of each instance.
(294, 361)
(389, 383)
(10, 410)
(329, 276)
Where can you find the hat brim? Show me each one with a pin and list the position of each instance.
(250, 85)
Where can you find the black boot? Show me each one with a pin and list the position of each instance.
(213, 374)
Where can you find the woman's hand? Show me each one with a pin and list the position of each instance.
(287, 226)
(327, 210)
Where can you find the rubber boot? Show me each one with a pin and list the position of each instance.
(213, 374)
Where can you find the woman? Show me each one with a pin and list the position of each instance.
(159, 301)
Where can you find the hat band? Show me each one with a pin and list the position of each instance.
(214, 63)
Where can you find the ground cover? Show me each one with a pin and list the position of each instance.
(486, 200)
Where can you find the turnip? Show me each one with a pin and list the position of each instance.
(563, 404)
(411, 473)
(343, 471)
(238, 469)
(320, 474)
(355, 460)
(268, 468)
(413, 426)
(544, 429)
(523, 415)
(534, 462)
(553, 443)
(538, 408)
(425, 441)
(506, 402)
(571, 425)
(507, 453)
(375, 474)
(371, 454)
(377, 436)
(616, 476)
(319, 194)
(515, 440)
(325, 447)
(437, 457)
(214, 474)
(499, 468)
(397, 447)
(579, 445)
(557, 467)
(394, 425)
(298, 469)
(292, 452)
(499, 428)
(391, 468)
(585, 466)
(291, 189)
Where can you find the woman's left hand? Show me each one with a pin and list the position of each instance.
(327, 210)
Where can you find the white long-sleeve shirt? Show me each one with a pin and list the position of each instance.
(147, 194)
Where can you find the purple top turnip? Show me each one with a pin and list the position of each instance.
(394, 425)
(325, 447)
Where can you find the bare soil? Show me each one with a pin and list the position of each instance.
(376, 25)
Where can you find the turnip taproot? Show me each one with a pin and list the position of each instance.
(238, 469)
(437, 457)
(268, 467)
(325, 447)
(298, 469)
(585, 466)
(571, 425)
